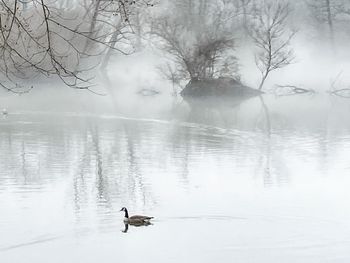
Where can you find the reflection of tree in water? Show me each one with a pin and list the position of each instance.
(101, 177)
(135, 184)
(30, 152)
(134, 181)
(110, 162)
(269, 162)
(193, 142)
(181, 148)
(91, 175)
(266, 164)
(214, 113)
(110, 166)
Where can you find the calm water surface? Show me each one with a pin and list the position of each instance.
(256, 183)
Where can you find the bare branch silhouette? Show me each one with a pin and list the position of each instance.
(41, 38)
(272, 38)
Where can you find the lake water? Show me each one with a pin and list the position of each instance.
(265, 181)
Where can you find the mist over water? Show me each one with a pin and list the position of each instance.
(263, 180)
(263, 184)
(227, 179)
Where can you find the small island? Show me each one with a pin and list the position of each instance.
(222, 87)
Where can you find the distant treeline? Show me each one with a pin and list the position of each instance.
(69, 38)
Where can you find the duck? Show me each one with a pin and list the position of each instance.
(136, 220)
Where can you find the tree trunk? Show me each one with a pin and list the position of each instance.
(330, 21)
(263, 79)
(138, 31)
(92, 26)
(110, 50)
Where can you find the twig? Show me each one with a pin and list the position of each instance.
(291, 90)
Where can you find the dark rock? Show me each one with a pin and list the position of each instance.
(216, 88)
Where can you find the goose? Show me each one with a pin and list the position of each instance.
(135, 220)
(4, 112)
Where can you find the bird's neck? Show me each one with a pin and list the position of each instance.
(126, 213)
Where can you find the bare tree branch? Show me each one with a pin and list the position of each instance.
(37, 37)
(270, 35)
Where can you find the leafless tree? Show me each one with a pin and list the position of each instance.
(328, 12)
(44, 37)
(272, 38)
(243, 8)
(197, 34)
(169, 72)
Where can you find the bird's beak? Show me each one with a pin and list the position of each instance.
(121, 210)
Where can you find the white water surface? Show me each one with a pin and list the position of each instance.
(244, 184)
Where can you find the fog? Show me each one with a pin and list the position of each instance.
(226, 121)
(320, 54)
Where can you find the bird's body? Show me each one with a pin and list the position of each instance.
(137, 220)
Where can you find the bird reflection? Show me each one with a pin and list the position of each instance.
(126, 226)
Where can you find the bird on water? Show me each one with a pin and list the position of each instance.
(136, 220)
